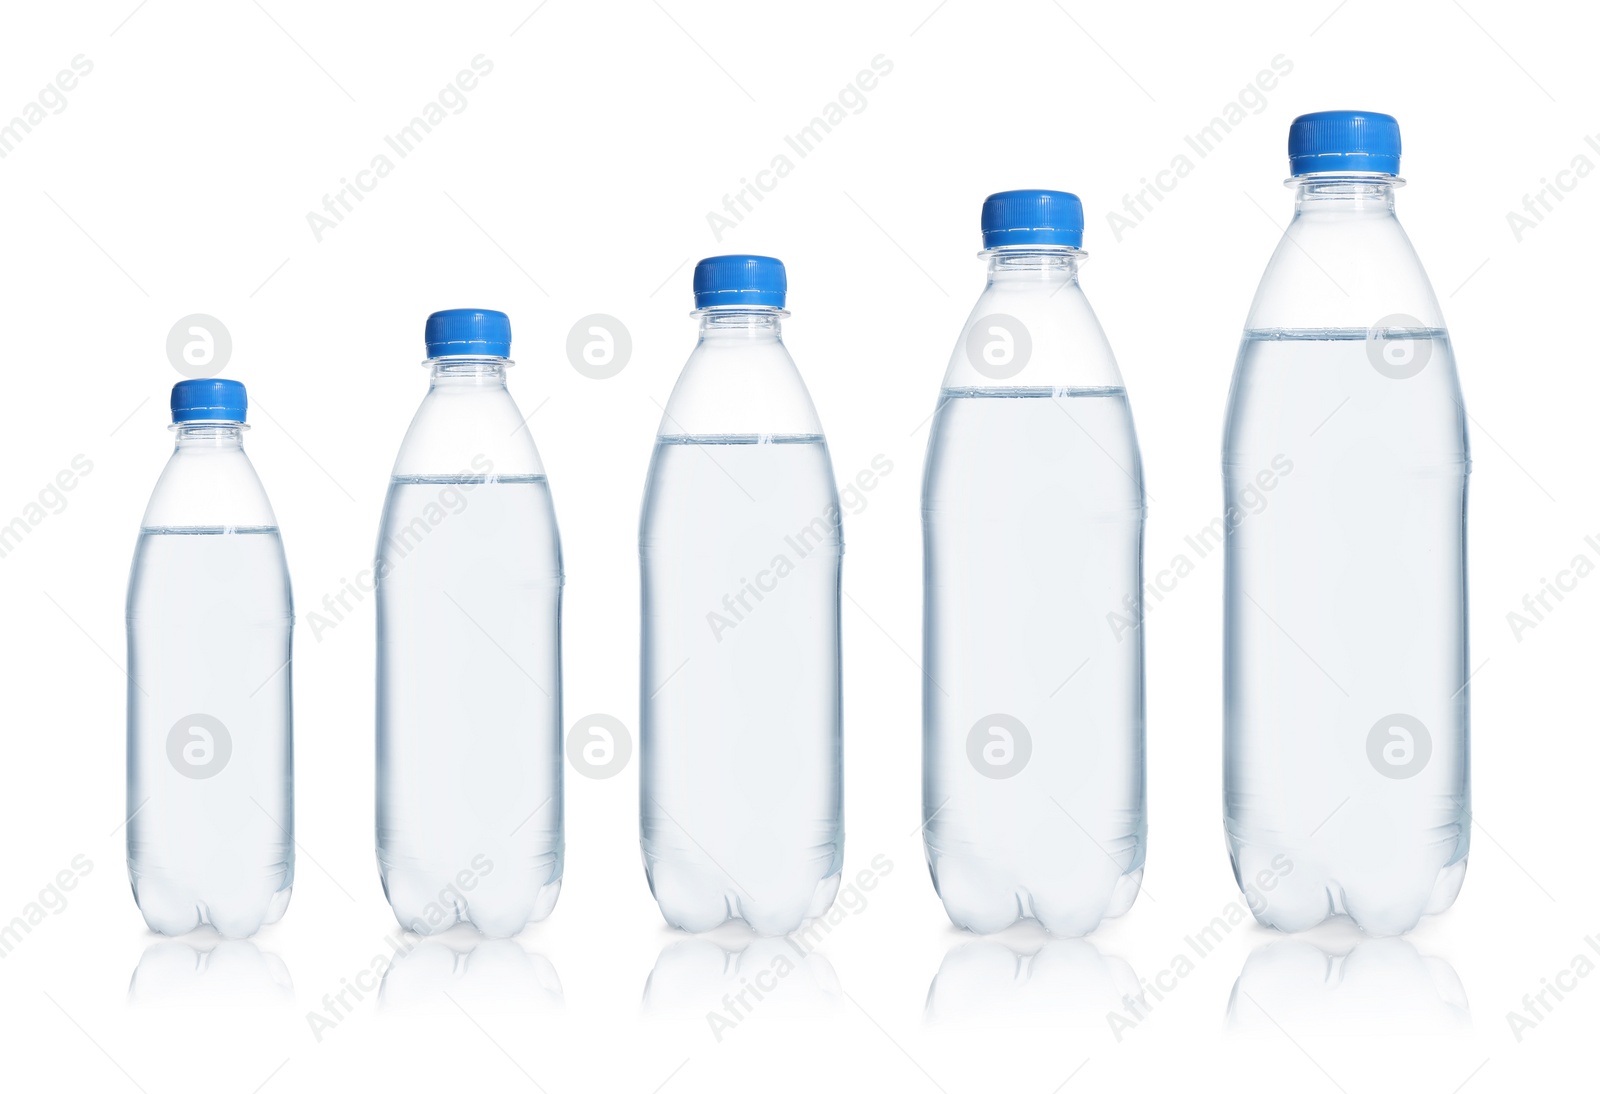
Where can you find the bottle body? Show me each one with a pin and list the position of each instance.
(469, 581)
(210, 744)
(1033, 690)
(1345, 471)
(740, 703)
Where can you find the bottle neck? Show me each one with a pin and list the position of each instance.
(469, 372)
(741, 324)
(1044, 266)
(1346, 195)
(201, 436)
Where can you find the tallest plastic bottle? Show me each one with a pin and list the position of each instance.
(1345, 467)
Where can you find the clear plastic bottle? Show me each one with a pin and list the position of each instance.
(1345, 470)
(740, 795)
(210, 743)
(1033, 751)
(469, 825)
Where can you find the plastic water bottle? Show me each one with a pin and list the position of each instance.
(469, 651)
(1345, 476)
(739, 546)
(210, 753)
(1033, 528)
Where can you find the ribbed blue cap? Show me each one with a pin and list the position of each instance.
(468, 332)
(752, 280)
(1020, 218)
(208, 401)
(1344, 140)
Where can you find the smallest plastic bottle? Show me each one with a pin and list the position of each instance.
(210, 754)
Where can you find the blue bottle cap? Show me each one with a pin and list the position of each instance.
(744, 280)
(1344, 140)
(208, 401)
(1038, 218)
(468, 332)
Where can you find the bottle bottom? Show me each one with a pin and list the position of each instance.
(694, 899)
(172, 907)
(1290, 896)
(429, 902)
(1066, 908)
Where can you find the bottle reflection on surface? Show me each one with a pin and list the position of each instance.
(1032, 976)
(209, 972)
(1371, 986)
(461, 967)
(725, 983)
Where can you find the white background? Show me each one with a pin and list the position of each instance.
(577, 180)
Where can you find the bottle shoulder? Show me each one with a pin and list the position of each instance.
(1034, 334)
(468, 430)
(209, 487)
(733, 387)
(1333, 271)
